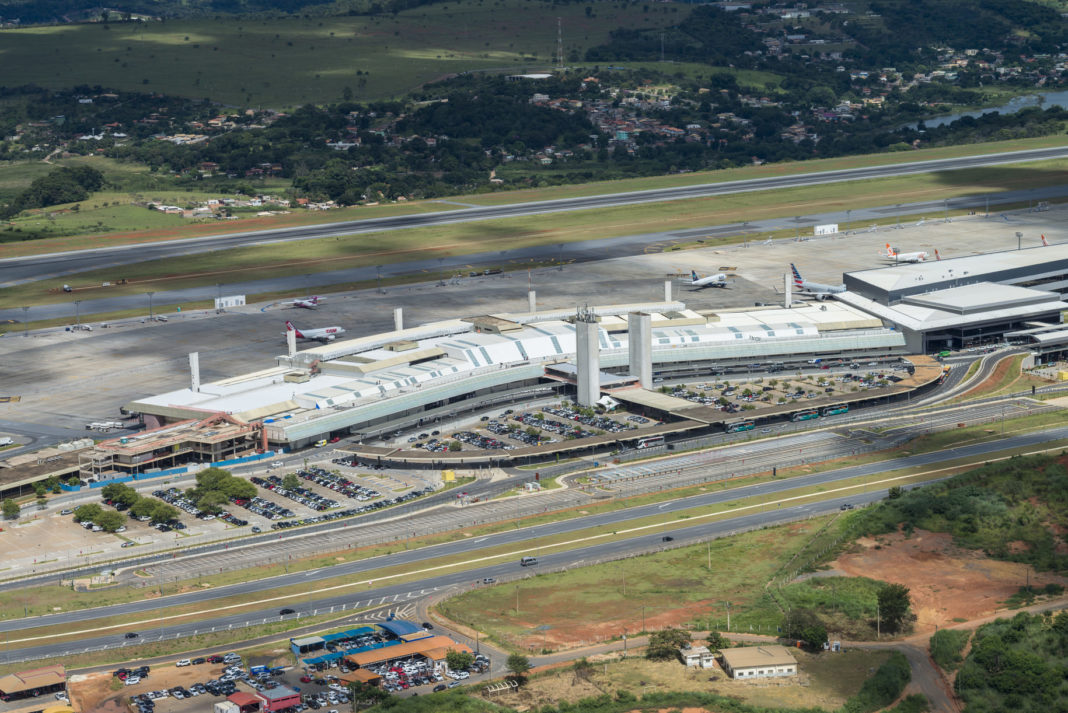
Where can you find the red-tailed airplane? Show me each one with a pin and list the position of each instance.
(323, 334)
(893, 254)
(310, 303)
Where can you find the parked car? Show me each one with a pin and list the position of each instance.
(130, 635)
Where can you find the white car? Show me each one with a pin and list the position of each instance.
(131, 680)
(183, 662)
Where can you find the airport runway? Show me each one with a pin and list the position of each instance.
(16, 271)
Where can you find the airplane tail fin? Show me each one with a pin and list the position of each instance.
(693, 276)
(798, 282)
(890, 252)
(1044, 241)
(291, 328)
(937, 256)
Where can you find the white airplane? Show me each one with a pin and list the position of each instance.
(717, 280)
(324, 334)
(896, 256)
(816, 289)
(309, 303)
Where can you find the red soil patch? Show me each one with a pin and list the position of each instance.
(946, 582)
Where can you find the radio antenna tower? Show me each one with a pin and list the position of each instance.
(559, 44)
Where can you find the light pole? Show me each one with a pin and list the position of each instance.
(150, 317)
(1019, 240)
(25, 322)
(849, 212)
(77, 313)
(945, 210)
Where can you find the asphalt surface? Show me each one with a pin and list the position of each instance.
(526, 541)
(16, 271)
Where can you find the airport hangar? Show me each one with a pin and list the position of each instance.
(1013, 295)
(386, 382)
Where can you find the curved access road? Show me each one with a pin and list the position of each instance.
(526, 541)
(15, 271)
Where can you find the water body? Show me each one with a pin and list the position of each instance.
(1013, 105)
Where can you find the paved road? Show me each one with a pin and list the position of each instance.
(526, 541)
(16, 271)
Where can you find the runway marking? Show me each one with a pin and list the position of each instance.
(517, 553)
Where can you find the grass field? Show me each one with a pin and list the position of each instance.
(293, 60)
(312, 256)
(598, 602)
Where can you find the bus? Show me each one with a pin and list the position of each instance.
(834, 410)
(650, 441)
(805, 415)
(739, 426)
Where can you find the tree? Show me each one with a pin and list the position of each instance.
(717, 641)
(459, 660)
(291, 481)
(164, 513)
(11, 509)
(518, 664)
(212, 501)
(665, 644)
(894, 603)
(87, 513)
(895, 492)
(804, 625)
(111, 520)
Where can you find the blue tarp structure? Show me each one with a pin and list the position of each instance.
(337, 636)
(400, 627)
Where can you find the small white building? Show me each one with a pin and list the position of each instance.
(769, 661)
(698, 657)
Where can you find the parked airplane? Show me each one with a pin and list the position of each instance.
(1044, 242)
(324, 334)
(816, 289)
(310, 303)
(896, 256)
(717, 280)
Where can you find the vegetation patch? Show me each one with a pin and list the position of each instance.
(947, 645)
(1017, 664)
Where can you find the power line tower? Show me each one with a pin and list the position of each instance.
(559, 44)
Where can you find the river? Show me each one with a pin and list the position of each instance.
(1013, 105)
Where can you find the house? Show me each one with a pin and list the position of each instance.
(698, 657)
(765, 661)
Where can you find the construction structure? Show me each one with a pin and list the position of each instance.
(215, 439)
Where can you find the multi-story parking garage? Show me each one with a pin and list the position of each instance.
(387, 381)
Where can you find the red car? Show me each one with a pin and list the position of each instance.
(305, 679)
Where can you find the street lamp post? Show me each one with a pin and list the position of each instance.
(25, 322)
(150, 317)
(77, 313)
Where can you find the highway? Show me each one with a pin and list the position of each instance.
(153, 627)
(14, 271)
(524, 541)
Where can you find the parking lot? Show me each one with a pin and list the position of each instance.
(519, 428)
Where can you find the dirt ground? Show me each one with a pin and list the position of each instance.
(93, 693)
(947, 583)
(825, 681)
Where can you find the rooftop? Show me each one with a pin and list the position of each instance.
(34, 678)
(765, 655)
(899, 277)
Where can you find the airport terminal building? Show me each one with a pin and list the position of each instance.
(385, 382)
(966, 301)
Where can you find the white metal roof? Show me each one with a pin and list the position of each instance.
(922, 318)
(898, 277)
(980, 296)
